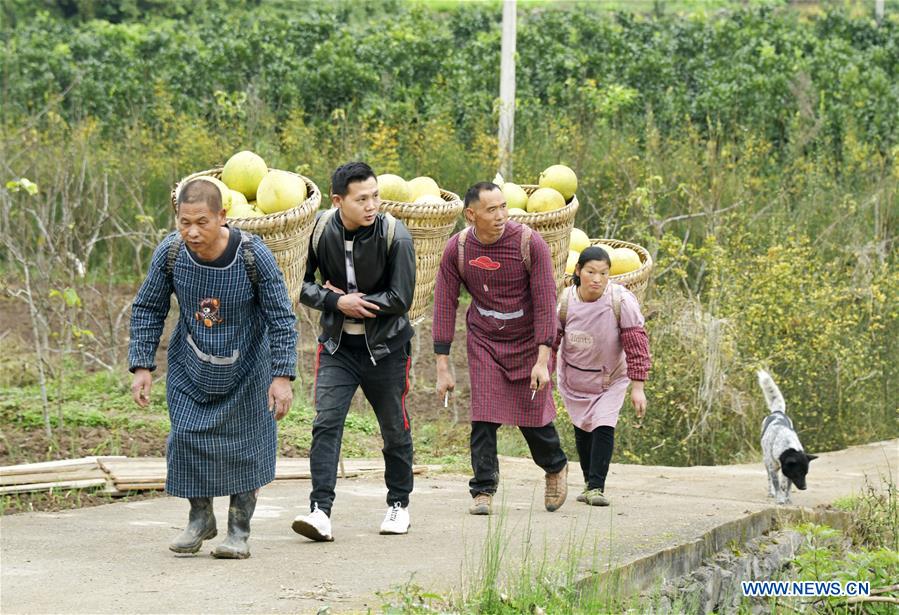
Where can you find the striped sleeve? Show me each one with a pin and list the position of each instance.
(636, 352)
(543, 292)
(446, 298)
(149, 310)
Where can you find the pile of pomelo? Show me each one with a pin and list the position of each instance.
(624, 259)
(557, 185)
(421, 190)
(250, 189)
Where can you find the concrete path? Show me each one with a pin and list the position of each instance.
(113, 558)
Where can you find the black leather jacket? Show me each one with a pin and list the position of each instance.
(387, 280)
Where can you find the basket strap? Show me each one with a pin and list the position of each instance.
(171, 256)
(563, 306)
(526, 233)
(249, 259)
(320, 228)
(460, 261)
(616, 302)
(391, 229)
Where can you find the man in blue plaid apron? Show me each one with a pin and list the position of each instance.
(231, 359)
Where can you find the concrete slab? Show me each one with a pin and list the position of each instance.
(113, 558)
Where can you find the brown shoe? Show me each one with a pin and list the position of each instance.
(482, 505)
(556, 489)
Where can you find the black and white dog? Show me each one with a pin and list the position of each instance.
(785, 460)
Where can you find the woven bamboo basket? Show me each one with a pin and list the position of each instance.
(555, 228)
(286, 233)
(431, 227)
(635, 281)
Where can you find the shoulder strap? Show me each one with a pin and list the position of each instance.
(320, 228)
(563, 306)
(526, 233)
(172, 255)
(391, 229)
(460, 261)
(616, 302)
(249, 258)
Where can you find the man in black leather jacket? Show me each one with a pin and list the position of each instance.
(366, 262)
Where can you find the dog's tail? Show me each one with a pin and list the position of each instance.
(772, 393)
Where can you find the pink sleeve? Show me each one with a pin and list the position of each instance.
(630, 311)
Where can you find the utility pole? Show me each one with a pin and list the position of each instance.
(878, 11)
(507, 91)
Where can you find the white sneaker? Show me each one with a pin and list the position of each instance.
(396, 521)
(315, 526)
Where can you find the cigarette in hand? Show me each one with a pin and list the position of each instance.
(533, 393)
(446, 399)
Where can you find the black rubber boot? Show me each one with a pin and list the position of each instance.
(239, 514)
(200, 527)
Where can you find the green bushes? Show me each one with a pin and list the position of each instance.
(751, 69)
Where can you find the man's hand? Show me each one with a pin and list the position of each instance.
(539, 376)
(446, 383)
(355, 306)
(280, 396)
(540, 371)
(140, 386)
(638, 397)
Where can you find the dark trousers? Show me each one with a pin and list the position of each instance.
(385, 386)
(543, 442)
(595, 451)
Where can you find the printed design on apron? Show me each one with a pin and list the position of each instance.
(209, 312)
(487, 264)
(579, 339)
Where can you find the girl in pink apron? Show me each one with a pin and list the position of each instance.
(603, 349)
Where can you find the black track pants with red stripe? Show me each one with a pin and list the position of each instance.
(385, 386)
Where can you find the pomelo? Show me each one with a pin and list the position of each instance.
(422, 186)
(516, 197)
(279, 191)
(244, 210)
(578, 240)
(561, 178)
(573, 257)
(624, 260)
(429, 199)
(545, 199)
(393, 188)
(243, 172)
(516, 211)
(237, 198)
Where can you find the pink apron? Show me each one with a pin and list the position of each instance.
(591, 371)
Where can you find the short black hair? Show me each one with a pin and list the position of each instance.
(201, 190)
(473, 194)
(348, 173)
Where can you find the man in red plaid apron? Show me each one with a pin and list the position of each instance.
(507, 269)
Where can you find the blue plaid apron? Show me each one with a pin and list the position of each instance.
(223, 439)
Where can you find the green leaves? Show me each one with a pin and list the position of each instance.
(22, 184)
